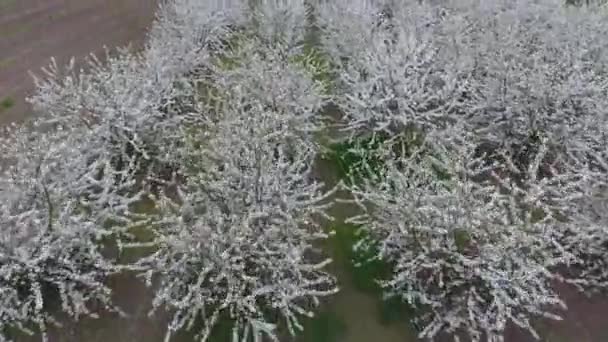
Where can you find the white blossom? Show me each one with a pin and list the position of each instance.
(468, 256)
(216, 123)
(50, 243)
(237, 239)
(512, 105)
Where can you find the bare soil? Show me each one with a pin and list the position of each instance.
(32, 31)
(586, 320)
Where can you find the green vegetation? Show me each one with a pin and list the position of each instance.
(317, 64)
(229, 57)
(364, 157)
(364, 271)
(360, 264)
(356, 159)
(324, 327)
(6, 103)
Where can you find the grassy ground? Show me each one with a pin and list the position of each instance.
(6, 103)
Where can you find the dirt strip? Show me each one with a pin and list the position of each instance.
(32, 31)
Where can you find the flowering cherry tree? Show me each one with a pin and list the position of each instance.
(584, 207)
(508, 70)
(51, 253)
(236, 225)
(466, 255)
(237, 239)
(397, 65)
(513, 124)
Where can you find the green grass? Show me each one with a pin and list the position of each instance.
(364, 272)
(6, 103)
(139, 232)
(394, 310)
(315, 62)
(230, 58)
(221, 331)
(324, 327)
(357, 159)
(364, 157)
